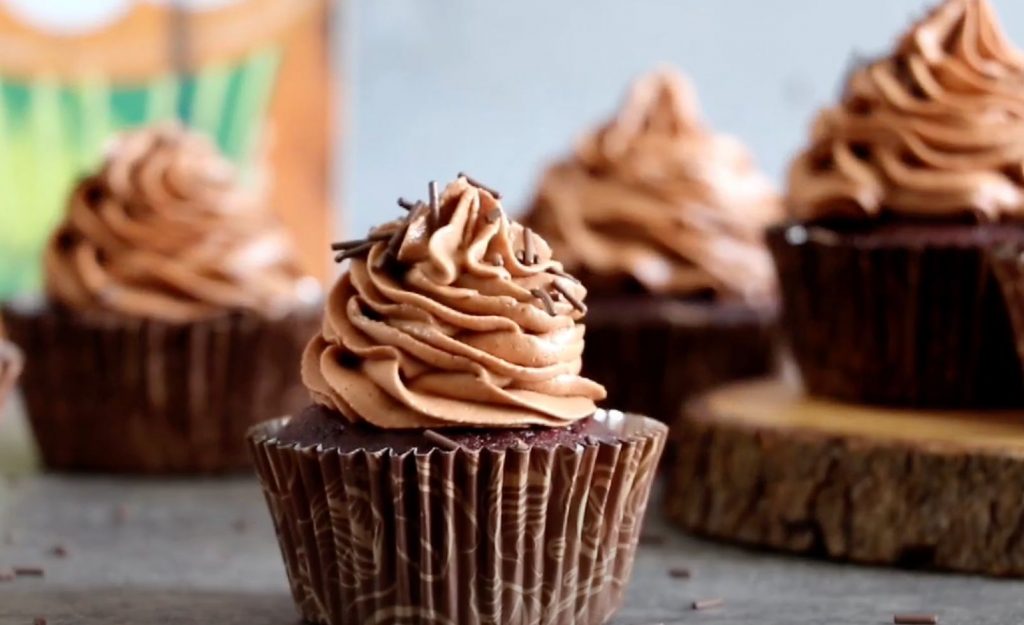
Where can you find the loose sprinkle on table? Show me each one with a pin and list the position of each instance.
(707, 604)
(915, 619)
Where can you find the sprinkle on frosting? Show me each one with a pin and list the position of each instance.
(654, 198)
(450, 328)
(163, 231)
(934, 130)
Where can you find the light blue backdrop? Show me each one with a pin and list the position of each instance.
(499, 88)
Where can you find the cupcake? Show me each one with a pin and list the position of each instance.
(238, 70)
(173, 296)
(662, 220)
(452, 467)
(906, 187)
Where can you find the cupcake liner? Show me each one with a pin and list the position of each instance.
(537, 535)
(652, 356)
(1008, 266)
(10, 367)
(917, 324)
(108, 393)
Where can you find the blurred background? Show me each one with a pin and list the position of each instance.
(416, 90)
(499, 88)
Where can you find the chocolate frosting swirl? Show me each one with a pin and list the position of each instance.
(655, 198)
(935, 130)
(163, 231)
(453, 318)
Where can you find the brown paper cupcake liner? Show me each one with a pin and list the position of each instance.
(1008, 265)
(107, 393)
(538, 535)
(10, 367)
(652, 356)
(916, 324)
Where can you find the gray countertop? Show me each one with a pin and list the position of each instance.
(145, 552)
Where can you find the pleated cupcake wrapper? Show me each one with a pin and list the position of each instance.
(1008, 265)
(11, 361)
(533, 536)
(106, 393)
(652, 364)
(923, 325)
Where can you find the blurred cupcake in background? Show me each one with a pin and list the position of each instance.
(905, 191)
(173, 295)
(250, 74)
(662, 219)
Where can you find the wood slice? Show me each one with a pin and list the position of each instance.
(763, 464)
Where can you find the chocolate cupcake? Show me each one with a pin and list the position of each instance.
(173, 296)
(663, 220)
(905, 189)
(453, 467)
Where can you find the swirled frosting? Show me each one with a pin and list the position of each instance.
(655, 198)
(453, 318)
(163, 231)
(934, 130)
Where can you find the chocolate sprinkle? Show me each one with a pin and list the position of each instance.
(395, 244)
(359, 250)
(562, 274)
(59, 551)
(545, 299)
(572, 299)
(406, 204)
(441, 440)
(479, 185)
(347, 245)
(915, 619)
(680, 572)
(29, 571)
(705, 604)
(435, 205)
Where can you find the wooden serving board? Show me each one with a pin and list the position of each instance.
(763, 464)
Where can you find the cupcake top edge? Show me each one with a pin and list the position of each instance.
(933, 130)
(164, 230)
(654, 201)
(452, 316)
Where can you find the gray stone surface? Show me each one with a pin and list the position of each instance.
(169, 552)
(147, 552)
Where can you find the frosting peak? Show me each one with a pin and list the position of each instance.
(163, 231)
(654, 198)
(936, 129)
(452, 316)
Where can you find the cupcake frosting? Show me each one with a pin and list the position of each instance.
(452, 316)
(935, 130)
(656, 198)
(164, 231)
